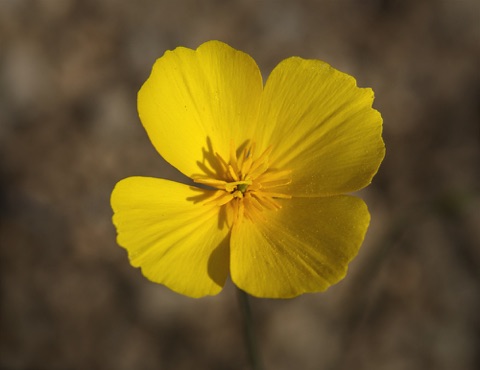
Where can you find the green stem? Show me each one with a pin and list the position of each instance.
(250, 340)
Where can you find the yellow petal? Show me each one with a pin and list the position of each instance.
(322, 127)
(175, 239)
(197, 98)
(304, 247)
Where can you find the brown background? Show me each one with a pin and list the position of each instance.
(69, 74)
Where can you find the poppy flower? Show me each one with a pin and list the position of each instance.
(273, 166)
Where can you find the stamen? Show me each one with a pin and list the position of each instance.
(267, 202)
(222, 161)
(237, 194)
(235, 211)
(265, 154)
(253, 210)
(244, 185)
(255, 204)
(262, 160)
(219, 198)
(258, 169)
(241, 211)
(232, 173)
(233, 157)
(247, 164)
(231, 212)
(219, 184)
(275, 184)
(247, 159)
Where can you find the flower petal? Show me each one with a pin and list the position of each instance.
(322, 127)
(302, 248)
(192, 96)
(176, 241)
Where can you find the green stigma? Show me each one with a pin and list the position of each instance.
(242, 187)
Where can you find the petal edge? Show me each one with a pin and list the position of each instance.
(305, 247)
(175, 242)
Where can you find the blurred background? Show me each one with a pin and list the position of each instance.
(69, 74)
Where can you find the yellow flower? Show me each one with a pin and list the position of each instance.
(272, 162)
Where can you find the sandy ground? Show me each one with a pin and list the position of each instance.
(69, 74)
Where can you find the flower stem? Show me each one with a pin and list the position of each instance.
(250, 339)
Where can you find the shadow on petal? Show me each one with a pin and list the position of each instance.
(203, 195)
(210, 165)
(219, 262)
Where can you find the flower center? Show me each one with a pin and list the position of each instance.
(246, 184)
